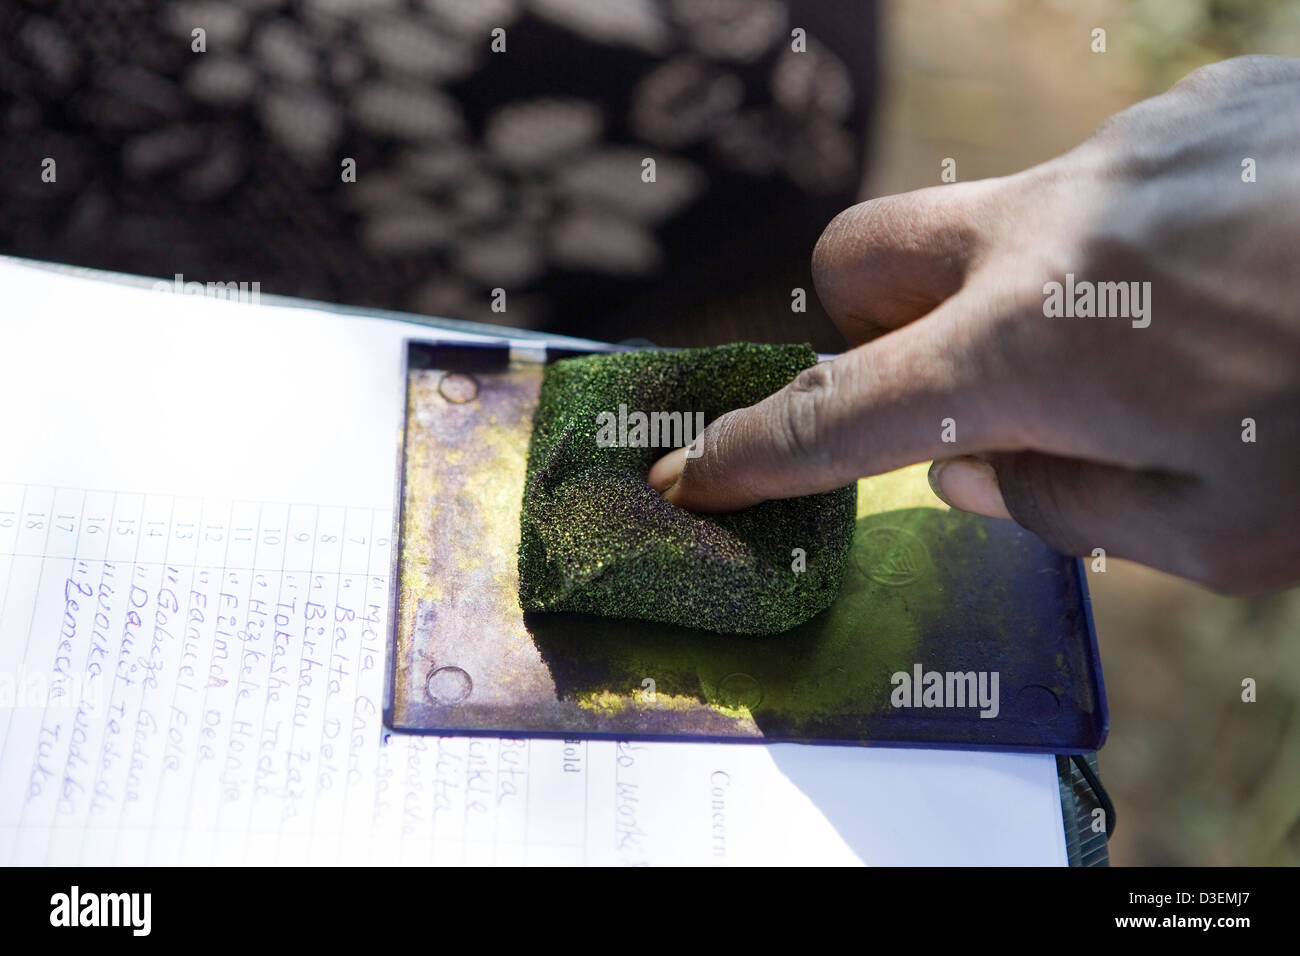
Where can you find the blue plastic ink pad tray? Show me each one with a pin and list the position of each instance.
(937, 610)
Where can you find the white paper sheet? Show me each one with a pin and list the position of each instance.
(195, 503)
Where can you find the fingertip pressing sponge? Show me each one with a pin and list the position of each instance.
(597, 539)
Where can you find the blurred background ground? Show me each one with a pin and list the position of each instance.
(1198, 776)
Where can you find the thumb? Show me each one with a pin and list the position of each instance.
(1074, 506)
(900, 399)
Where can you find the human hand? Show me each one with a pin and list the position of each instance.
(1128, 433)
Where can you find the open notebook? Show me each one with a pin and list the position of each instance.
(195, 504)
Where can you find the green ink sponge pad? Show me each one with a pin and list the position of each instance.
(595, 538)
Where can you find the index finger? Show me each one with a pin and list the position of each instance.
(931, 389)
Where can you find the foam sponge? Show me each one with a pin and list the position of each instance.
(597, 539)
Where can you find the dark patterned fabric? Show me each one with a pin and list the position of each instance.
(475, 170)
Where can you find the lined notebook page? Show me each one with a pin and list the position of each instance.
(195, 509)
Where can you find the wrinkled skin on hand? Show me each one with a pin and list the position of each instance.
(1089, 431)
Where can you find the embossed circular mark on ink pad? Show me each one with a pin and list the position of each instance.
(1037, 703)
(449, 685)
(891, 556)
(458, 388)
(740, 690)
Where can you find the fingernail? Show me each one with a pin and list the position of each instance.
(666, 471)
(936, 467)
(968, 484)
